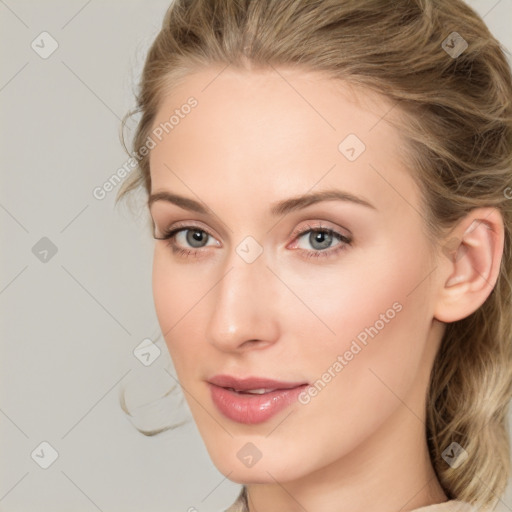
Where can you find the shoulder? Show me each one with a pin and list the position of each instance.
(240, 505)
(449, 506)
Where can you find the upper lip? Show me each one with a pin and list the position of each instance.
(244, 384)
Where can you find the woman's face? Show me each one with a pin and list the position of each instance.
(255, 285)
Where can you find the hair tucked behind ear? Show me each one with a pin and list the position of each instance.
(456, 117)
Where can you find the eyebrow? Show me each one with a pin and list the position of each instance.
(279, 208)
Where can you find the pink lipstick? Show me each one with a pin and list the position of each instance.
(254, 399)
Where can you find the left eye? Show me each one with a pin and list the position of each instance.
(321, 239)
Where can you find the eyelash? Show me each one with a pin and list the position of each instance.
(345, 241)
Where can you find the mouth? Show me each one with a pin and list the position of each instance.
(252, 400)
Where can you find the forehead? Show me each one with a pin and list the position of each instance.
(269, 95)
(280, 131)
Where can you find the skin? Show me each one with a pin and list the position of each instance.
(252, 140)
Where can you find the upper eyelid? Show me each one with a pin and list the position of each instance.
(303, 230)
(304, 212)
(184, 225)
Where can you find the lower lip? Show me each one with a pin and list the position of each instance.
(252, 409)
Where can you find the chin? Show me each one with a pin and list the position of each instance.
(262, 472)
(249, 476)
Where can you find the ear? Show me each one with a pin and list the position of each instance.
(469, 264)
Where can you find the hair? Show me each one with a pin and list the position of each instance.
(455, 116)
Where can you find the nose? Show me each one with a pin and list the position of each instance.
(243, 306)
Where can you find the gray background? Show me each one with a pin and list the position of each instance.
(71, 322)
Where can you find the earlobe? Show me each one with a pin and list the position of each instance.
(471, 265)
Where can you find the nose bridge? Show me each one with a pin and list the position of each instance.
(242, 308)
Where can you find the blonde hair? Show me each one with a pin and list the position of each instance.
(456, 119)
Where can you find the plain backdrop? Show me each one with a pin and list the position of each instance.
(75, 280)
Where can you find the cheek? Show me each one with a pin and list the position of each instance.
(162, 285)
(381, 359)
(373, 308)
(172, 292)
(178, 290)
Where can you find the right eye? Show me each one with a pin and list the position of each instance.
(186, 240)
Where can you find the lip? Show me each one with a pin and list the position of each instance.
(245, 383)
(251, 409)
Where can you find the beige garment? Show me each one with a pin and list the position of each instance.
(240, 505)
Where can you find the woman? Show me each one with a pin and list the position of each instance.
(329, 190)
